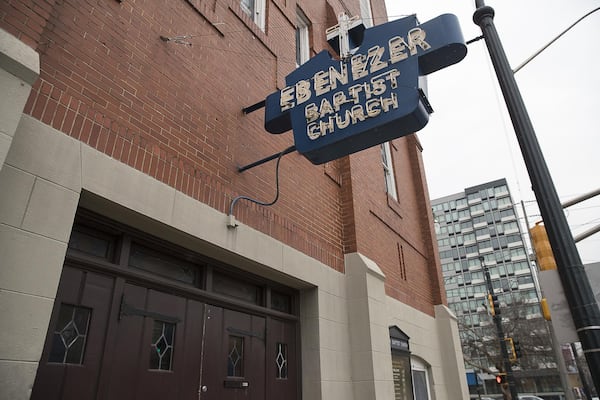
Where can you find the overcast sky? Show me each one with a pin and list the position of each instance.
(470, 139)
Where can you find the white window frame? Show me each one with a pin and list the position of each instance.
(388, 170)
(419, 366)
(256, 12)
(366, 13)
(302, 38)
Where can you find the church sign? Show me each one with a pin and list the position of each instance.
(370, 96)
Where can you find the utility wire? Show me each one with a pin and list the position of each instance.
(266, 204)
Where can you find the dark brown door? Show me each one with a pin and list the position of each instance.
(110, 339)
(74, 346)
(234, 355)
(281, 363)
(114, 340)
(248, 357)
(156, 347)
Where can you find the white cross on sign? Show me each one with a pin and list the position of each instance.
(341, 30)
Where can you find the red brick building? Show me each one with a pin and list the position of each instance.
(122, 132)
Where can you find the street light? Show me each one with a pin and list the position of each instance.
(524, 63)
(578, 292)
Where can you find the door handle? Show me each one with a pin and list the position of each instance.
(204, 389)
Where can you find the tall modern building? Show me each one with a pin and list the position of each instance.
(479, 229)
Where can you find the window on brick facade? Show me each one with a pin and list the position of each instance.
(388, 170)
(256, 10)
(302, 38)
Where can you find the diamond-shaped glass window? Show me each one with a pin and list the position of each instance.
(161, 349)
(70, 335)
(235, 356)
(281, 361)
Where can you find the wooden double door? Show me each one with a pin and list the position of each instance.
(109, 338)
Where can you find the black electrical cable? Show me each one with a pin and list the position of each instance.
(235, 200)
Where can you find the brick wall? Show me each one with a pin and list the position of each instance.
(26, 19)
(398, 234)
(173, 111)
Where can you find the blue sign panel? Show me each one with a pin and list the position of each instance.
(338, 107)
(472, 379)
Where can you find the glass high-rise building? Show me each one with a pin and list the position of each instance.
(476, 229)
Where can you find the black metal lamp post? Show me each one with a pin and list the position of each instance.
(510, 379)
(578, 292)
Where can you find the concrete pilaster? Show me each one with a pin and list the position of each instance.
(369, 333)
(19, 69)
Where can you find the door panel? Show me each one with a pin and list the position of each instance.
(161, 376)
(191, 356)
(157, 348)
(118, 365)
(281, 363)
(60, 380)
(125, 349)
(233, 368)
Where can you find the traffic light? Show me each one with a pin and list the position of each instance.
(517, 349)
(491, 305)
(545, 309)
(501, 378)
(510, 347)
(541, 245)
(494, 304)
